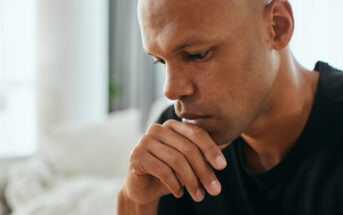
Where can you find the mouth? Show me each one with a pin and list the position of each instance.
(200, 120)
(191, 116)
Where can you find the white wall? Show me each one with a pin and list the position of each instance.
(318, 32)
(72, 61)
(17, 77)
(53, 68)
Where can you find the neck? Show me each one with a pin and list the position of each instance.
(273, 133)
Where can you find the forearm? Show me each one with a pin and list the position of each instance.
(128, 207)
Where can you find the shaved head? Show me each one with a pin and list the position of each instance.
(161, 15)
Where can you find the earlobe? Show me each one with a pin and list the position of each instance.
(282, 23)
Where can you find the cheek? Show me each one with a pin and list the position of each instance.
(238, 85)
(235, 79)
(211, 83)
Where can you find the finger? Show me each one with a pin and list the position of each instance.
(192, 154)
(161, 171)
(202, 139)
(178, 163)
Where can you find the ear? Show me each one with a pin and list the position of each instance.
(279, 16)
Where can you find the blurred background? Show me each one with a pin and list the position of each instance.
(77, 91)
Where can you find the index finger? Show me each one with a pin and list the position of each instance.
(202, 139)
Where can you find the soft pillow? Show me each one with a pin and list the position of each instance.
(75, 196)
(101, 149)
(27, 179)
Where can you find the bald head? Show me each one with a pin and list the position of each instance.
(220, 4)
(165, 20)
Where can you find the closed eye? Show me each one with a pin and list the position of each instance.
(190, 57)
(197, 56)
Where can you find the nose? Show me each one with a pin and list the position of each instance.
(178, 83)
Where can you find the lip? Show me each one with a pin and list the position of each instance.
(192, 116)
(200, 120)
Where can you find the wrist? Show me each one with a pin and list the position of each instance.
(128, 206)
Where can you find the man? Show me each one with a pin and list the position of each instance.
(251, 132)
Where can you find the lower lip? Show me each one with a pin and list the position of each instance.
(201, 122)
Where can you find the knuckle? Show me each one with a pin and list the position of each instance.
(133, 167)
(165, 173)
(169, 123)
(135, 154)
(177, 160)
(144, 140)
(194, 183)
(213, 150)
(155, 128)
(207, 176)
(189, 149)
(138, 151)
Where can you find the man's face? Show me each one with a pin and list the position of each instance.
(216, 59)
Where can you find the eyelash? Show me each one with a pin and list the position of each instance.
(191, 57)
(159, 61)
(198, 56)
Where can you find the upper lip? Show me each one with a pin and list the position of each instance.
(191, 116)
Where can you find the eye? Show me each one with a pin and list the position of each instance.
(159, 61)
(198, 56)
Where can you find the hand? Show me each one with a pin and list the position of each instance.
(169, 157)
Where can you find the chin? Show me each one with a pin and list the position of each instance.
(222, 139)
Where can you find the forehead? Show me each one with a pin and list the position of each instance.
(166, 23)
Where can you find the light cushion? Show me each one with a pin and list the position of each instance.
(100, 149)
(75, 196)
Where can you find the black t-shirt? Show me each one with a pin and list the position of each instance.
(308, 181)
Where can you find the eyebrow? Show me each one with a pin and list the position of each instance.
(187, 43)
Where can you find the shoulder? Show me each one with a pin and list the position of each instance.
(330, 84)
(167, 114)
(327, 110)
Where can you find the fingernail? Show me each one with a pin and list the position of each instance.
(221, 162)
(215, 186)
(199, 194)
